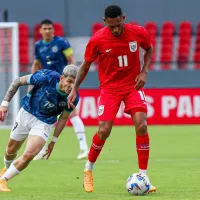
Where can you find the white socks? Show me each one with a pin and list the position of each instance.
(80, 132)
(143, 171)
(10, 173)
(89, 165)
(7, 163)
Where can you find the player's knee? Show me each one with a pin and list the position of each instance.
(104, 132)
(141, 129)
(27, 157)
(11, 150)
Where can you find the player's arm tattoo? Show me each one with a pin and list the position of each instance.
(14, 87)
(82, 72)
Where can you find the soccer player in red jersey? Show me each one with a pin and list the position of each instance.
(121, 80)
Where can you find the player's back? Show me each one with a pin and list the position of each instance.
(119, 61)
(51, 53)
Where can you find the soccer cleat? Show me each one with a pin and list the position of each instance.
(152, 189)
(88, 181)
(3, 171)
(3, 186)
(83, 154)
(39, 157)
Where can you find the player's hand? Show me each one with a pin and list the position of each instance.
(140, 80)
(3, 112)
(49, 150)
(71, 98)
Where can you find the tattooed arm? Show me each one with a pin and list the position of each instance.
(14, 87)
(10, 93)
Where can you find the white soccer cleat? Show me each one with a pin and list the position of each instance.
(39, 157)
(83, 154)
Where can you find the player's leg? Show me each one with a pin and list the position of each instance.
(33, 147)
(135, 105)
(80, 133)
(108, 107)
(18, 135)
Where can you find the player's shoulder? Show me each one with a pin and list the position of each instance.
(99, 34)
(135, 27)
(59, 39)
(38, 43)
(47, 72)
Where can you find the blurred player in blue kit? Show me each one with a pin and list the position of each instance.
(40, 108)
(54, 53)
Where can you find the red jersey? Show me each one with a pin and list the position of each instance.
(118, 57)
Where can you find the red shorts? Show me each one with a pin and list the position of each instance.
(110, 101)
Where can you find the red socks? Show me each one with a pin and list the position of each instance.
(95, 148)
(142, 146)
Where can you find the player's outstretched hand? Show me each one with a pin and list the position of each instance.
(140, 80)
(49, 150)
(3, 112)
(71, 98)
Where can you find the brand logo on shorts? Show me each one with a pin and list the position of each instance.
(101, 110)
(133, 46)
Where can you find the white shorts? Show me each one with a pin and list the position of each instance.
(27, 124)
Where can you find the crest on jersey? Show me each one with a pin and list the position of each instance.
(133, 46)
(54, 49)
(101, 110)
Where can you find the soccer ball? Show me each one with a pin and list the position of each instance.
(138, 184)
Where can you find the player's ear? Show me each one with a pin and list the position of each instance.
(104, 19)
(124, 17)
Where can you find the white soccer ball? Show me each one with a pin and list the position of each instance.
(138, 184)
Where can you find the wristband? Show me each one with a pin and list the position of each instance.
(5, 103)
(54, 139)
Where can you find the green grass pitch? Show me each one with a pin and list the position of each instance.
(174, 167)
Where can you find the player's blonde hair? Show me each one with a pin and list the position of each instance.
(70, 70)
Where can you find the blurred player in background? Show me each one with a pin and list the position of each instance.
(121, 80)
(54, 53)
(40, 108)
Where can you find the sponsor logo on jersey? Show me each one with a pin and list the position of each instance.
(54, 49)
(108, 50)
(101, 110)
(133, 46)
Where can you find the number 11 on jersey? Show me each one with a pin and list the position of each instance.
(123, 61)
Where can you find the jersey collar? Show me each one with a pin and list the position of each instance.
(59, 91)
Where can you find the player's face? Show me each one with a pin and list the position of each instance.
(47, 32)
(66, 84)
(116, 25)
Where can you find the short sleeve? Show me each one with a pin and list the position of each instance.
(36, 53)
(65, 44)
(38, 78)
(91, 52)
(69, 110)
(144, 38)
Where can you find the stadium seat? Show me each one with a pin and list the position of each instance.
(166, 54)
(59, 30)
(36, 33)
(168, 29)
(96, 26)
(151, 28)
(23, 44)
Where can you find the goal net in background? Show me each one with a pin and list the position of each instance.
(9, 66)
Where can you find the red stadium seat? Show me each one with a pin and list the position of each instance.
(59, 30)
(23, 44)
(96, 26)
(166, 54)
(151, 28)
(168, 29)
(36, 34)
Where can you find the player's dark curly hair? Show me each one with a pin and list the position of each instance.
(46, 21)
(113, 11)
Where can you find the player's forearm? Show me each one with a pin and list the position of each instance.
(59, 128)
(82, 72)
(14, 87)
(147, 59)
